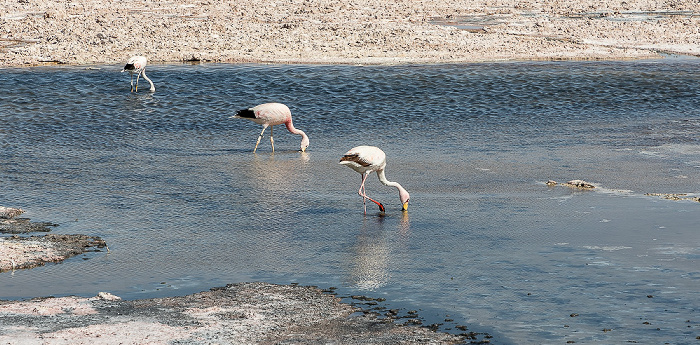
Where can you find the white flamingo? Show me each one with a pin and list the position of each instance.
(368, 159)
(268, 115)
(137, 65)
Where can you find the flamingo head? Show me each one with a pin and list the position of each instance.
(404, 196)
(304, 143)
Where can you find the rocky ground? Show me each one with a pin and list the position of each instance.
(354, 32)
(27, 252)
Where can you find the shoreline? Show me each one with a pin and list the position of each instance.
(242, 313)
(361, 32)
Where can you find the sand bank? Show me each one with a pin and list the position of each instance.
(352, 32)
(247, 313)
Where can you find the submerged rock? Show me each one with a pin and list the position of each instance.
(579, 184)
(9, 212)
(573, 183)
(675, 196)
(23, 226)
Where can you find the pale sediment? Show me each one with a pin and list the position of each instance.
(246, 313)
(27, 252)
(355, 32)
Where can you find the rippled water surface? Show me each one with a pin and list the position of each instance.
(171, 183)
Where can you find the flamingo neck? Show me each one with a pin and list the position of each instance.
(292, 129)
(143, 73)
(382, 179)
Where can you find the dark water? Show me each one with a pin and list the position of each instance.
(171, 183)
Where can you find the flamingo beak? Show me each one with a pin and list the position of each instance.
(405, 206)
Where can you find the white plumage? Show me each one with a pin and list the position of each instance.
(137, 65)
(368, 159)
(268, 115)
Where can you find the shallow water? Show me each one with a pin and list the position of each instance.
(171, 183)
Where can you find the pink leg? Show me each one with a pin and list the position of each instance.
(260, 137)
(362, 192)
(364, 196)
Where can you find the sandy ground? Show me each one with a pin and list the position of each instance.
(341, 31)
(246, 313)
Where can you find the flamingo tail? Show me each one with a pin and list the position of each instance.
(245, 113)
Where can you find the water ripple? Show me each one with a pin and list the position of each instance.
(170, 182)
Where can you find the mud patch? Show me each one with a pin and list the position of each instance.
(23, 226)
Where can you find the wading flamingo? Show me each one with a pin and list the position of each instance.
(368, 159)
(137, 65)
(268, 115)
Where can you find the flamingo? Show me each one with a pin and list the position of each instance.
(268, 115)
(368, 159)
(137, 65)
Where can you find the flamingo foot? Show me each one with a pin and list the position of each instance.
(381, 207)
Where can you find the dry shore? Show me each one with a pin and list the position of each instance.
(352, 32)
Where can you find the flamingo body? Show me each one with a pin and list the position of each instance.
(368, 159)
(137, 65)
(269, 115)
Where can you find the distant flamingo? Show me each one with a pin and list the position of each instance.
(270, 114)
(365, 160)
(137, 65)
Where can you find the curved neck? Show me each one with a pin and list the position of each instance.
(292, 129)
(382, 179)
(143, 73)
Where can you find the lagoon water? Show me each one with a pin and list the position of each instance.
(171, 183)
